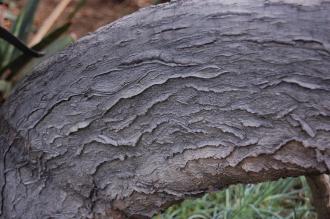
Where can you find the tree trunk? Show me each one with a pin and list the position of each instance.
(172, 101)
(320, 187)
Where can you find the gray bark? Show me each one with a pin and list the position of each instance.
(172, 101)
(320, 187)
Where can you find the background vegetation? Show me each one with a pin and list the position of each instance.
(282, 199)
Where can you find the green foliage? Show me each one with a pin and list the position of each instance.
(20, 29)
(282, 199)
(13, 64)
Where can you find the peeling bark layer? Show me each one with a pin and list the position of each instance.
(172, 101)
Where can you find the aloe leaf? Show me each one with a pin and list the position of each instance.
(20, 29)
(3, 44)
(18, 63)
(2, 50)
(51, 37)
(57, 45)
(23, 25)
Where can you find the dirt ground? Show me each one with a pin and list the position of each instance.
(94, 14)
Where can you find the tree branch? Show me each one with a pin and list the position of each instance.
(173, 101)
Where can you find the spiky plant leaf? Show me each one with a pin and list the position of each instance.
(20, 29)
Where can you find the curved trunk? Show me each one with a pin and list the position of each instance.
(172, 101)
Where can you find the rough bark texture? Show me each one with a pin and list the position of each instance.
(172, 101)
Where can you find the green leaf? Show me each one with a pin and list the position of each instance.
(18, 63)
(24, 23)
(57, 45)
(20, 29)
(51, 37)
